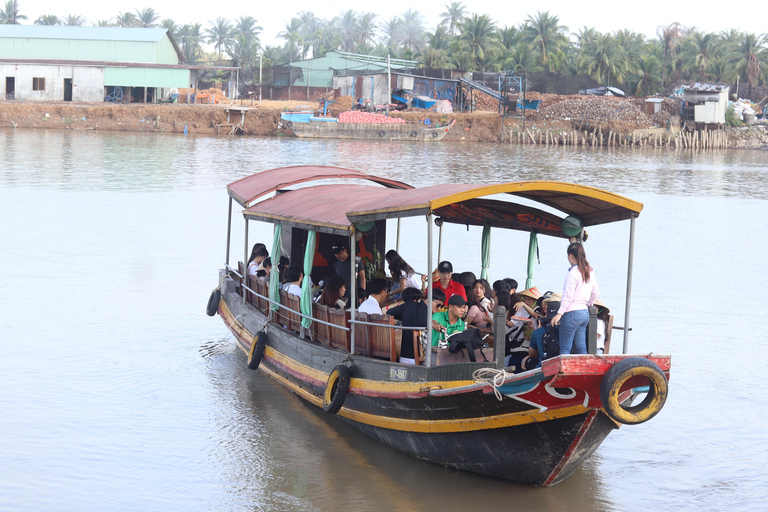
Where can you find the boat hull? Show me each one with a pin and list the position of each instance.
(536, 434)
(383, 132)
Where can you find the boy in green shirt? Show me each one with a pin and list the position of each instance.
(449, 322)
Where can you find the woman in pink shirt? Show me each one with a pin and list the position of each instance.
(579, 292)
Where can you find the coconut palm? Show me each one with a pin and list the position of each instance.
(697, 53)
(347, 24)
(10, 15)
(311, 33)
(669, 35)
(219, 34)
(520, 58)
(413, 31)
(392, 32)
(189, 39)
(547, 36)
(478, 32)
(648, 75)
(146, 18)
(435, 53)
(509, 37)
(754, 58)
(48, 19)
(366, 28)
(170, 25)
(74, 20)
(453, 16)
(103, 23)
(127, 19)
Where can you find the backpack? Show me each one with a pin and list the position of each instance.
(551, 342)
(470, 339)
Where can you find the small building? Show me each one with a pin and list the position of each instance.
(55, 63)
(705, 103)
(373, 86)
(653, 105)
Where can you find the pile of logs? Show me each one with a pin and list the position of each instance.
(701, 139)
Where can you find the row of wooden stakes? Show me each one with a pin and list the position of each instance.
(700, 139)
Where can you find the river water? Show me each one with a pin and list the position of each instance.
(117, 392)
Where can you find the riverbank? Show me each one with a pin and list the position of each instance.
(264, 120)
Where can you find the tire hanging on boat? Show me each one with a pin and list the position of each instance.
(336, 389)
(617, 376)
(414, 134)
(289, 124)
(381, 133)
(258, 344)
(434, 135)
(213, 302)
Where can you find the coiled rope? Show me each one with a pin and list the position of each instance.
(491, 376)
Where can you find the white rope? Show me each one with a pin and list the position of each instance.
(491, 376)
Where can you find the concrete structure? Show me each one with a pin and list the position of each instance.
(373, 86)
(705, 103)
(53, 63)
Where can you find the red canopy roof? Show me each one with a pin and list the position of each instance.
(246, 190)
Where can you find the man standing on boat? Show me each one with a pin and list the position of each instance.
(446, 284)
(343, 267)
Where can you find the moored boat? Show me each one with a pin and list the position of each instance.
(533, 427)
(307, 125)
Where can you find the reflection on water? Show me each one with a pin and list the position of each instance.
(118, 390)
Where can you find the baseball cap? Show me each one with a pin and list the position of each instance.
(445, 266)
(456, 300)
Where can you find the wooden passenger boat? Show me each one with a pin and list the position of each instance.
(306, 125)
(534, 427)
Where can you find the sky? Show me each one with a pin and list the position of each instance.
(604, 16)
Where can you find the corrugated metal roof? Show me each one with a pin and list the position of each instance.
(83, 33)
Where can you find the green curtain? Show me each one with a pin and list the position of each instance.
(306, 289)
(533, 250)
(274, 276)
(486, 251)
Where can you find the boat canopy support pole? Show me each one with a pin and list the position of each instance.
(439, 243)
(397, 244)
(499, 328)
(245, 259)
(428, 344)
(229, 228)
(629, 281)
(352, 291)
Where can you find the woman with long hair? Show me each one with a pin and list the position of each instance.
(258, 254)
(479, 304)
(579, 292)
(333, 292)
(402, 273)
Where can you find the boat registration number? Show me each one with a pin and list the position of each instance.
(399, 374)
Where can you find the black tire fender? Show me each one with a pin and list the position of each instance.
(336, 389)
(213, 302)
(414, 134)
(289, 123)
(256, 353)
(434, 135)
(618, 375)
(381, 133)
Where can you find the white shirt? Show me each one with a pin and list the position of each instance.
(370, 306)
(292, 289)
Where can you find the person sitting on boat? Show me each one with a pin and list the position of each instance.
(465, 279)
(293, 278)
(413, 313)
(448, 322)
(512, 285)
(377, 295)
(343, 266)
(266, 270)
(446, 284)
(402, 273)
(333, 293)
(539, 349)
(580, 291)
(479, 304)
(604, 327)
(258, 254)
(520, 326)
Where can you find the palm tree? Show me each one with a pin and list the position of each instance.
(10, 15)
(311, 33)
(347, 25)
(127, 19)
(669, 36)
(48, 19)
(547, 36)
(602, 60)
(103, 23)
(189, 41)
(753, 58)
(435, 54)
(392, 32)
(521, 57)
(75, 20)
(146, 18)
(478, 32)
(453, 15)
(648, 68)
(219, 34)
(366, 28)
(509, 37)
(413, 30)
(170, 25)
(697, 53)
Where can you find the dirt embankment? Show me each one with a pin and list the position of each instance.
(551, 125)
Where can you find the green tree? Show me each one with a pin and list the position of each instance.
(478, 32)
(74, 20)
(189, 39)
(48, 19)
(453, 16)
(10, 15)
(670, 36)
(545, 34)
(697, 53)
(127, 19)
(648, 71)
(146, 18)
(219, 34)
(752, 63)
(413, 31)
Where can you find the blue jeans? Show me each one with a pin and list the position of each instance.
(573, 332)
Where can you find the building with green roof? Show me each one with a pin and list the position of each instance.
(54, 63)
